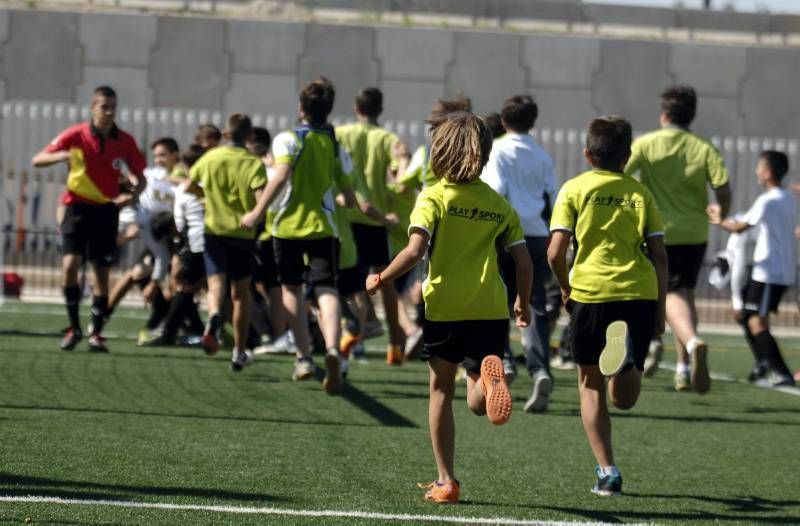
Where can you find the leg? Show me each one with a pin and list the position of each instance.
(70, 264)
(476, 398)
(440, 416)
(594, 413)
(330, 316)
(767, 346)
(298, 322)
(390, 308)
(240, 296)
(624, 388)
(682, 319)
(100, 299)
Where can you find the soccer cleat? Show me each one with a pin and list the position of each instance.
(303, 369)
(209, 344)
(347, 343)
(333, 373)
(540, 397)
(148, 338)
(394, 355)
(607, 485)
(654, 354)
(682, 382)
(372, 329)
(616, 353)
(283, 344)
(442, 492)
(495, 388)
(70, 339)
(241, 360)
(413, 345)
(701, 381)
(775, 379)
(97, 344)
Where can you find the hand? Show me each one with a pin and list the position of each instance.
(248, 221)
(796, 188)
(392, 220)
(340, 200)
(123, 199)
(522, 312)
(373, 284)
(714, 212)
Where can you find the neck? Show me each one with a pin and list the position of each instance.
(769, 185)
(104, 130)
(363, 119)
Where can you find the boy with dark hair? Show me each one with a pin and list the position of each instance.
(99, 156)
(308, 164)
(774, 264)
(522, 172)
(208, 136)
(373, 150)
(676, 166)
(617, 295)
(230, 178)
(495, 124)
(460, 222)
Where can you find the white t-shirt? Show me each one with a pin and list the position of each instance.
(773, 217)
(158, 195)
(189, 213)
(739, 253)
(522, 172)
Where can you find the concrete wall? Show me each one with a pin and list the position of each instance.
(258, 66)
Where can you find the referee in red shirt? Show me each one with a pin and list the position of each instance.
(99, 155)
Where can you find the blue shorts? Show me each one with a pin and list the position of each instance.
(231, 256)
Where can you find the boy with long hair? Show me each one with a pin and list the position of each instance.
(460, 221)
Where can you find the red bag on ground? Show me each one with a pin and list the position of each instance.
(12, 284)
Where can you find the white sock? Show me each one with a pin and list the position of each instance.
(334, 351)
(682, 368)
(610, 471)
(691, 345)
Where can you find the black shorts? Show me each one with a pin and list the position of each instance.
(589, 321)
(193, 267)
(91, 231)
(685, 262)
(372, 244)
(266, 271)
(351, 280)
(322, 261)
(228, 255)
(467, 341)
(762, 298)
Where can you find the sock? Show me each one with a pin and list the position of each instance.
(99, 312)
(191, 315)
(768, 349)
(682, 368)
(691, 344)
(173, 318)
(214, 325)
(158, 312)
(610, 471)
(333, 350)
(72, 296)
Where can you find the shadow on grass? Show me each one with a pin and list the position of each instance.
(746, 504)
(380, 412)
(619, 516)
(26, 485)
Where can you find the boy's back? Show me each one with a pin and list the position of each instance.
(467, 223)
(611, 215)
(676, 165)
(228, 175)
(774, 259)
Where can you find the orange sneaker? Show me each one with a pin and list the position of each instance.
(347, 342)
(443, 492)
(495, 388)
(394, 355)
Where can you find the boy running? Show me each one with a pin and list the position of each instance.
(460, 222)
(617, 295)
(774, 265)
(230, 178)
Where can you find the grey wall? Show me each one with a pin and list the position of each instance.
(255, 66)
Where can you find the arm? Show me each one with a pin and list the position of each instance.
(282, 174)
(733, 226)
(723, 205)
(45, 158)
(557, 258)
(658, 255)
(402, 263)
(524, 271)
(373, 213)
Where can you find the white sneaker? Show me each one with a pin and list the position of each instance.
(333, 373)
(653, 360)
(283, 344)
(562, 364)
(540, 397)
(412, 341)
(303, 369)
(241, 360)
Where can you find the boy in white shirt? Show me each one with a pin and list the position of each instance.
(774, 262)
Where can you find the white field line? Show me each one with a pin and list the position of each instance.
(401, 517)
(728, 378)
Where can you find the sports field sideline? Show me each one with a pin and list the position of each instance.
(168, 436)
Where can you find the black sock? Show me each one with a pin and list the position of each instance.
(214, 325)
(72, 296)
(420, 313)
(770, 352)
(99, 313)
(159, 308)
(191, 315)
(173, 318)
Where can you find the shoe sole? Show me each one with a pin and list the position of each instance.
(701, 381)
(305, 376)
(540, 398)
(651, 368)
(615, 353)
(333, 374)
(606, 493)
(209, 344)
(498, 397)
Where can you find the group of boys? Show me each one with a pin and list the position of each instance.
(324, 209)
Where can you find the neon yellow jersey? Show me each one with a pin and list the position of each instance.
(370, 149)
(610, 216)
(419, 173)
(466, 223)
(401, 204)
(229, 176)
(306, 206)
(269, 215)
(675, 165)
(348, 253)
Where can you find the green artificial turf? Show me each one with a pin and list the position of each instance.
(172, 425)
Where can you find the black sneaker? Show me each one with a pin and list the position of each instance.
(607, 485)
(70, 340)
(97, 344)
(242, 360)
